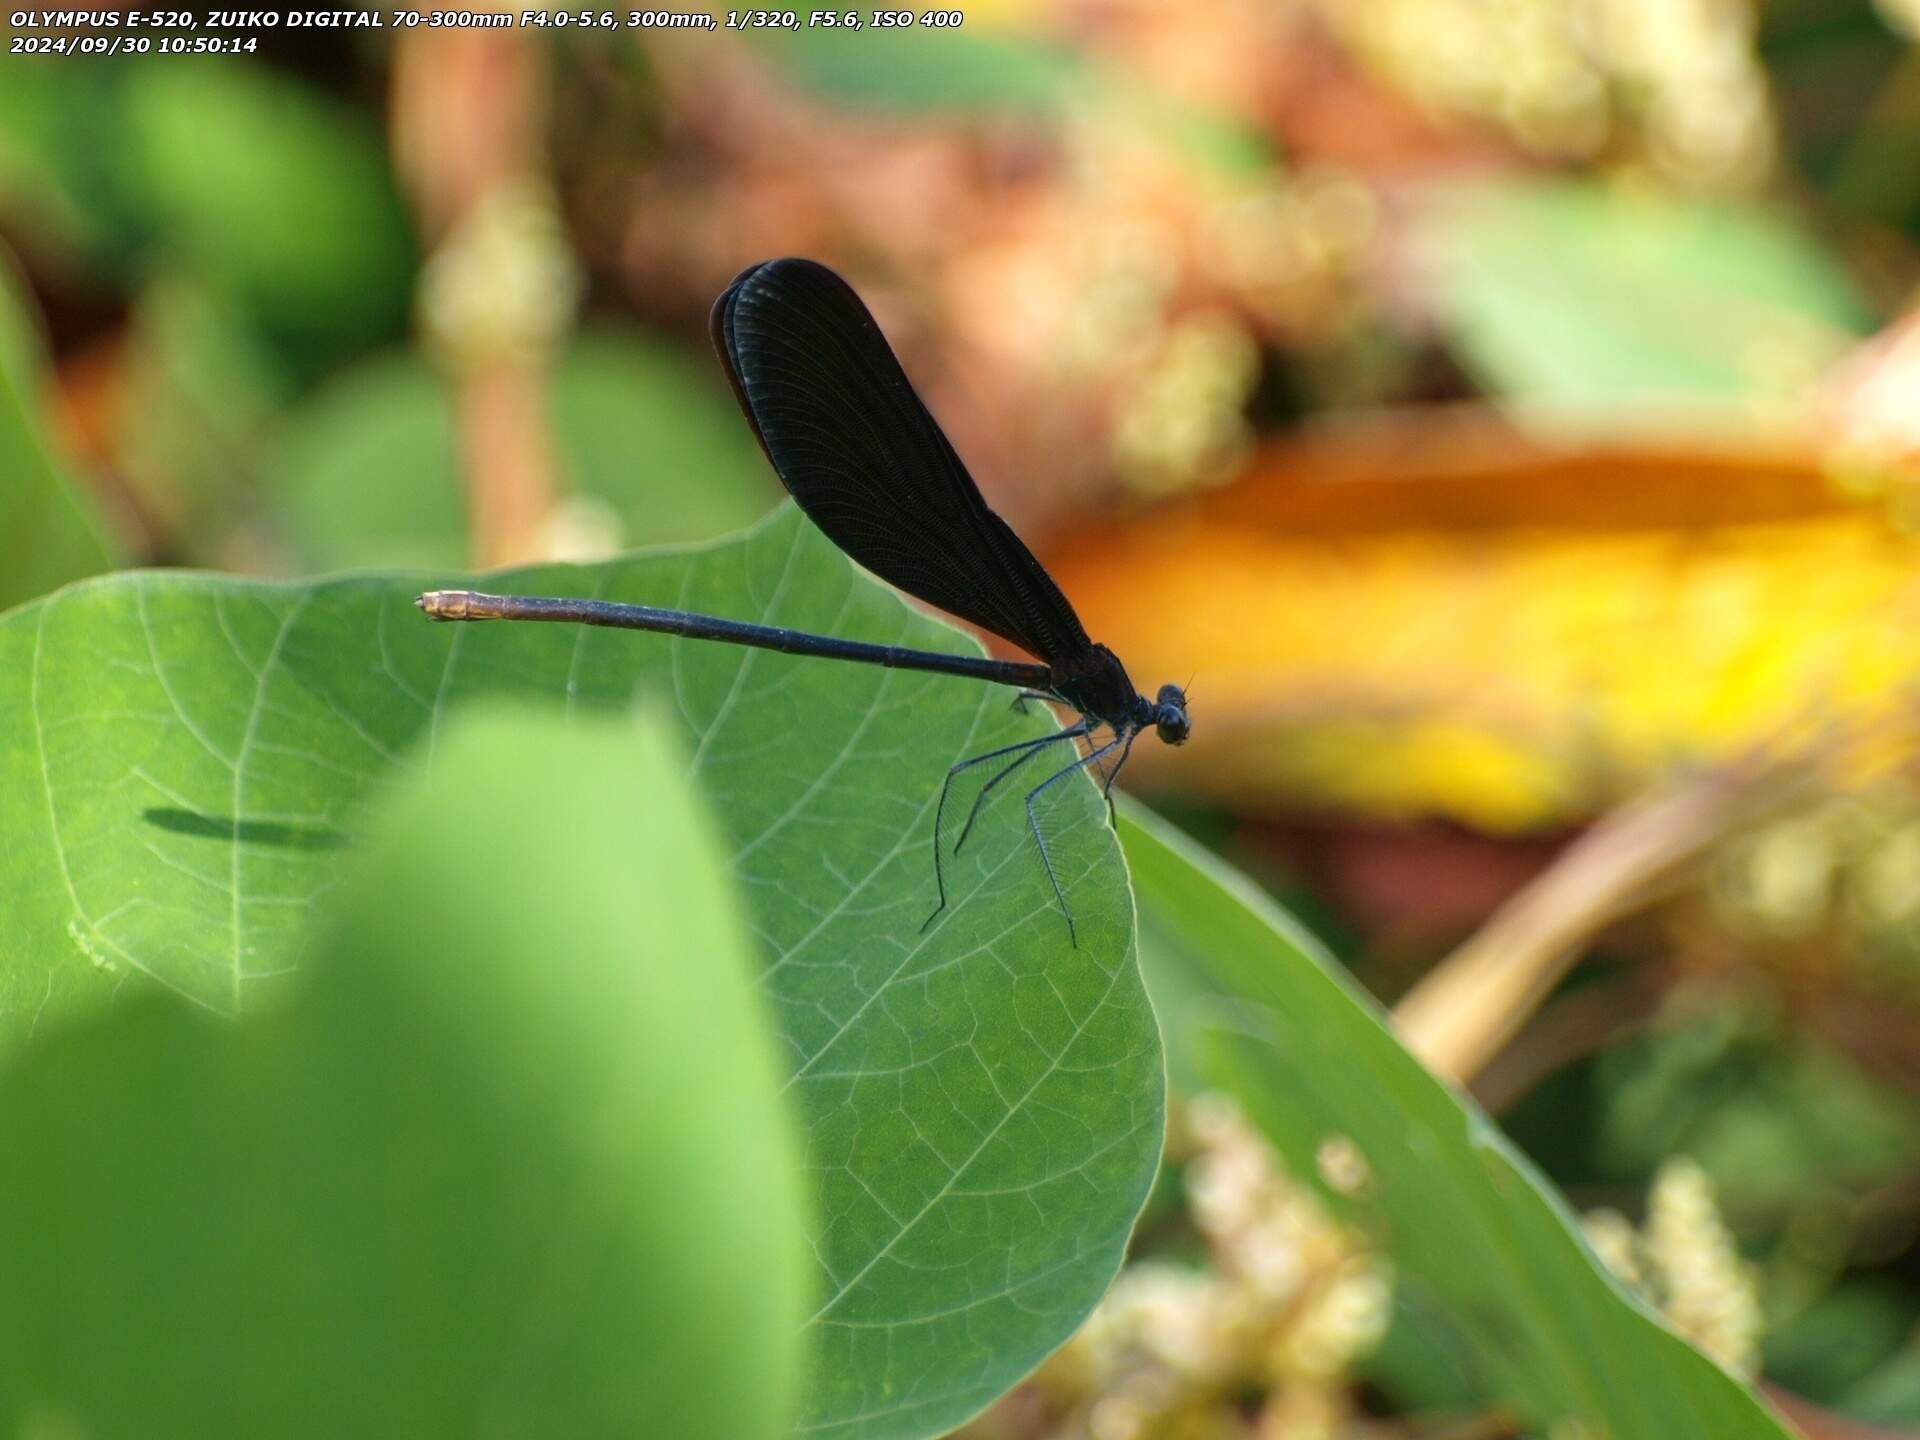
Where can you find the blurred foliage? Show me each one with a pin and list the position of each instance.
(426, 1185)
(1496, 410)
(367, 471)
(916, 69)
(48, 534)
(1489, 1271)
(1759, 1108)
(1608, 305)
(982, 1101)
(1289, 1300)
(23, 358)
(275, 197)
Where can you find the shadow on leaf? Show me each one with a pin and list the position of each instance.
(253, 832)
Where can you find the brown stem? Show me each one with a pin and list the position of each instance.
(1459, 1016)
(507, 458)
(469, 111)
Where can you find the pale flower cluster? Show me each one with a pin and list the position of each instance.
(504, 284)
(1850, 865)
(1676, 82)
(1185, 422)
(1683, 1260)
(1178, 342)
(1291, 1300)
(1290, 246)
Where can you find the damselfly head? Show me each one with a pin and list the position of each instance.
(1170, 714)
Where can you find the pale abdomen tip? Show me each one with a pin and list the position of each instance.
(446, 604)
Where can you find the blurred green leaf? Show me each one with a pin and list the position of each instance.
(921, 69)
(1842, 86)
(1211, 140)
(1418, 1366)
(61, 133)
(481, 1176)
(186, 758)
(271, 193)
(918, 68)
(23, 349)
(1588, 301)
(1488, 1261)
(1891, 1394)
(47, 534)
(1840, 1340)
(367, 473)
(200, 392)
(652, 430)
(1766, 1113)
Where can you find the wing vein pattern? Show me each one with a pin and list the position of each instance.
(848, 436)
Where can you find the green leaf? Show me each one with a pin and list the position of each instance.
(272, 193)
(650, 429)
(1842, 1340)
(186, 757)
(23, 347)
(918, 68)
(481, 1175)
(368, 473)
(1590, 302)
(1489, 1262)
(198, 393)
(1890, 1395)
(60, 141)
(1771, 1115)
(47, 534)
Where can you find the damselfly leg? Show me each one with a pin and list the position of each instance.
(1031, 748)
(1083, 731)
(1107, 777)
(1033, 823)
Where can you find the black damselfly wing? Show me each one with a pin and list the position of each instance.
(852, 442)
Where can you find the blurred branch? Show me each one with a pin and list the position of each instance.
(497, 295)
(1818, 1423)
(1575, 1026)
(1458, 1018)
(469, 107)
(507, 454)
